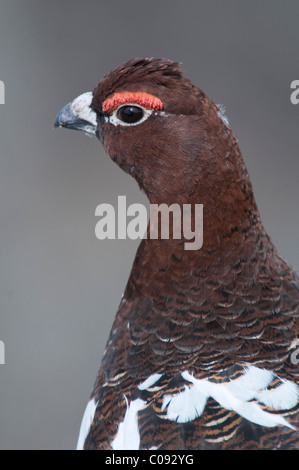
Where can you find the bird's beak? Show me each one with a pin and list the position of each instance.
(78, 115)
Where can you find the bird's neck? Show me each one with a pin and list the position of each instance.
(230, 226)
(219, 183)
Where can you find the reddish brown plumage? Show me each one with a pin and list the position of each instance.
(212, 311)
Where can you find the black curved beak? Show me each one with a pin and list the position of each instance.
(78, 115)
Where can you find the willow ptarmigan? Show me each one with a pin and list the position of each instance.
(203, 352)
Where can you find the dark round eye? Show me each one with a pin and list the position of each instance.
(130, 114)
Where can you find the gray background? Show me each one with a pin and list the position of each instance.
(59, 285)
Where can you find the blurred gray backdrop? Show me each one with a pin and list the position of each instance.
(59, 285)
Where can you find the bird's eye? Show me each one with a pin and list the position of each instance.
(130, 114)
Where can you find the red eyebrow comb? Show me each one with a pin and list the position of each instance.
(146, 100)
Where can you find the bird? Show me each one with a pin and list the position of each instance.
(203, 351)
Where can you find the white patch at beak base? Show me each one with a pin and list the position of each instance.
(81, 108)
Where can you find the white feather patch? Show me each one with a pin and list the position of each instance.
(185, 406)
(151, 380)
(128, 437)
(243, 395)
(86, 423)
(221, 113)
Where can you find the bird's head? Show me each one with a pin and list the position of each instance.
(157, 126)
